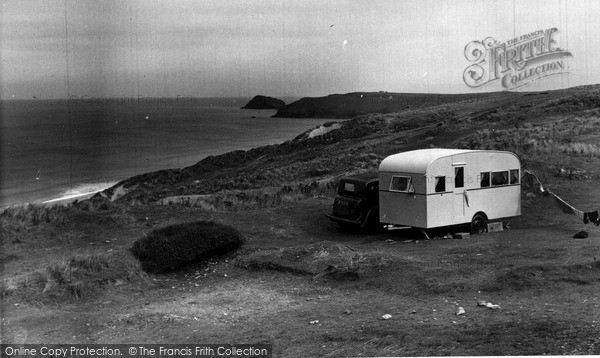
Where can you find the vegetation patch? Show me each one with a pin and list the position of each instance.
(538, 142)
(538, 276)
(238, 200)
(534, 337)
(75, 278)
(175, 246)
(411, 119)
(20, 217)
(323, 259)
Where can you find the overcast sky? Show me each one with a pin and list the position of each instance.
(55, 49)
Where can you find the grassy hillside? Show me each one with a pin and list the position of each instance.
(305, 287)
(554, 128)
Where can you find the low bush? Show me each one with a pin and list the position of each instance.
(175, 246)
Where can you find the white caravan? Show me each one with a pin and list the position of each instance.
(430, 188)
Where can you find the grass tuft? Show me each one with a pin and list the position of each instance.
(18, 218)
(75, 278)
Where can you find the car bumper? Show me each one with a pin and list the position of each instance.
(343, 220)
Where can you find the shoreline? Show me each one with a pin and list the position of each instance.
(71, 198)
(189, 139)
(68, 196)
(58, 201)
(62, 201)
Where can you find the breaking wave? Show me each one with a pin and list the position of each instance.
(81, 191)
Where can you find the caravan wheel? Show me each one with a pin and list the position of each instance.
(478, 223)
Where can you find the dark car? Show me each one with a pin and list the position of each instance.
(356, 205)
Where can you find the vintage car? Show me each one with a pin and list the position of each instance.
(356, 206)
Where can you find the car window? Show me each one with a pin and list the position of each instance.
(350, 187)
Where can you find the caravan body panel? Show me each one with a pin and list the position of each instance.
(448, 187)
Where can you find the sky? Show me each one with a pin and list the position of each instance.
(88, 48)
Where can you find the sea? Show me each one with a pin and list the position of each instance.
(60, 149)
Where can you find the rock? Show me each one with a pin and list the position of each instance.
(488, 305)
(314, 322)
(492, 306)
(460, 311)
(386, 316)
(264, 102)
(461, 235)
(581, 235)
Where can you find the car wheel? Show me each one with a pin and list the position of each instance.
(371, 224)
(478, 223)
(345, 228)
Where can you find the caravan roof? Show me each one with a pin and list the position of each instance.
(417, 161)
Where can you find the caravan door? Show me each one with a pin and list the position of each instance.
(459, 191)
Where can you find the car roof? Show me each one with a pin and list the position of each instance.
(364, 177)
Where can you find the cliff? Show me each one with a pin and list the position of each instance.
(360, 103)
(264, 102)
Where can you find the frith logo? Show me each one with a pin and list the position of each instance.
(516, 62)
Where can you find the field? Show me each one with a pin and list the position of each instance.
(302, 285)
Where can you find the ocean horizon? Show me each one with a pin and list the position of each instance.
(53, 150)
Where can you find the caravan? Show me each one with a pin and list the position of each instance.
(431, 188)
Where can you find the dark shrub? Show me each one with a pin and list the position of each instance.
(175, 246)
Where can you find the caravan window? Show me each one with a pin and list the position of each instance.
(459, 177)
(400, 184)
(499, 178)
(514, 176)
(440, 184)
(485, 179)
